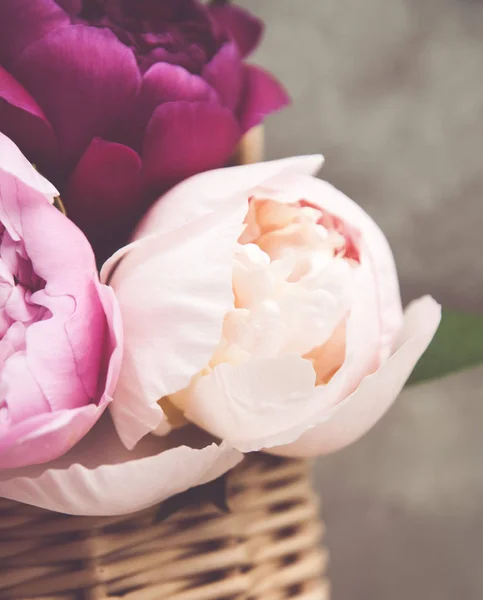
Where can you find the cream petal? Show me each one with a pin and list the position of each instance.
(289, 187)
(211, 191)
(312, 315)
(255, 404)
(174, 290)
(357, 413)
(13, 161)
(99, 477)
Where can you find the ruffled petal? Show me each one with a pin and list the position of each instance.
(79, 333)
(356, 414)
(260, 403)
(13, 161)
(84, 79)
(245, 29)
(211, 191)
(22, 119)
(262, 95)
(73, 357)
(184, 138)
(23, 22)
(377, 255)
(100, 477)
(103, 195)
(225, 74)
(174, 290)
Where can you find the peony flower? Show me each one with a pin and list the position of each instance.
(60, 338)
(263, 305)
(117, 100)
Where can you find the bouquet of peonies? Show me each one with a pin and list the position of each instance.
(238, 309)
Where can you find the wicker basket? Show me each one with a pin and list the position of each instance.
(266, 548)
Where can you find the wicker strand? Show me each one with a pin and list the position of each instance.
(266, 548)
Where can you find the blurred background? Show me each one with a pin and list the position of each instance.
(391, 92)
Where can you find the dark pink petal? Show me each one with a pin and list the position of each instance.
(22, 120)
(184, 138)
(84, 79)
(168, 11)
(263, 95)
(103, 194)
(24, 22)
(225, 73)
(243, 27)
(164, 82)
(72, 7)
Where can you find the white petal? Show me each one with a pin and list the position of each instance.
(355, 415)
(13, 161)
(100, 477)
(259, 403)
(212, 190)
(174, 290)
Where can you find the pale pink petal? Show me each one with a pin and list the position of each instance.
(212, 190)
(355, 415)
(14, 162)
(174, 290)
(255, 404)
(363, 331)
(100, 477)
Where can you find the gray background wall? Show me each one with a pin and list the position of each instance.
(391, 92)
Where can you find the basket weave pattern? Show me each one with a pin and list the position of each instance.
(266, 548)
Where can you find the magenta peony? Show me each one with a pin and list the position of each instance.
(117, 100)
(60, 329)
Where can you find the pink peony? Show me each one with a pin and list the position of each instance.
(116, 100)
(60, 338)
(263, 304)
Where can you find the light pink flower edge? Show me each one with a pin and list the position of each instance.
(99, 477)
(13, 161)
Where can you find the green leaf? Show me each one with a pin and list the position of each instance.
(458, 344)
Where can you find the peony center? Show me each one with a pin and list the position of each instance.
(293, 279)
(177, 31)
